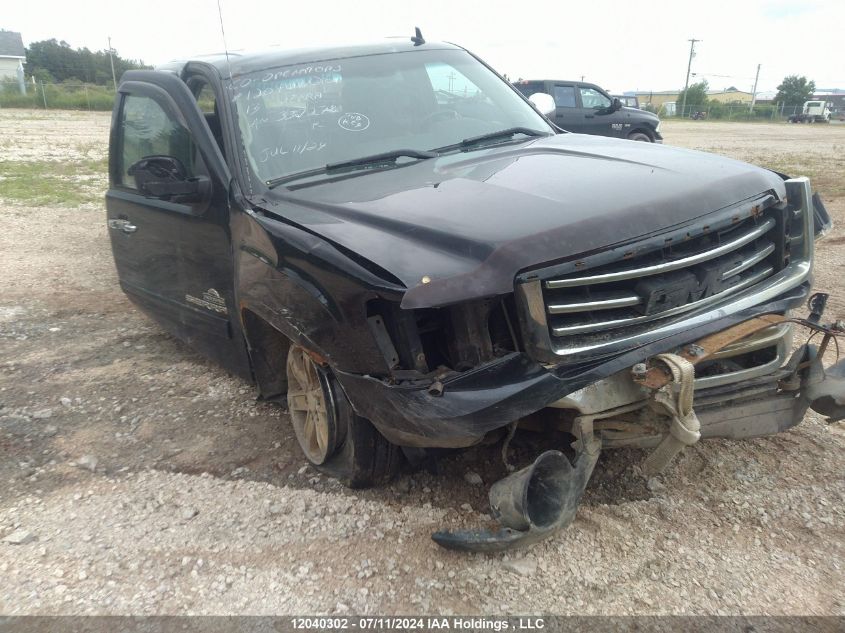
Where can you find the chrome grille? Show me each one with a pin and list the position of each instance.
(612, 300)
(667, 281)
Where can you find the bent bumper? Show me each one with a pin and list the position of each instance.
(490, 396)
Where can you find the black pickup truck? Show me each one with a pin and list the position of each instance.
(587, 109)
(394, 242)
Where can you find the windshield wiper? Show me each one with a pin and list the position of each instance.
(365, 162)
(378, 159)
(506, 134)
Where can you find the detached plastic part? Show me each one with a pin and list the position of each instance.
(531, 504)
(824, 389)
(822, 221)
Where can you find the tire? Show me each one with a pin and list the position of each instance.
(336, 441)
(639, 136)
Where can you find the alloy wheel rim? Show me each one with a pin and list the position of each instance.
(307, 406)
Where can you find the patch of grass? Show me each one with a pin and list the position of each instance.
(825, 175)
(58, 97)
(42, 183)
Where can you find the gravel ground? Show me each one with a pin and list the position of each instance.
(139, 479)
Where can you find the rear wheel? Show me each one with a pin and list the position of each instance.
(332, 436)
(639, 136)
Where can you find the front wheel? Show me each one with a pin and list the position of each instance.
(639, 136)
(332, 436)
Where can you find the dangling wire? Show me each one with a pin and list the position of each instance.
(506, 444)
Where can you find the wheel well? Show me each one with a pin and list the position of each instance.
(268, 350)
(640, 130)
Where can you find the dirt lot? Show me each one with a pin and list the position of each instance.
(144, 480)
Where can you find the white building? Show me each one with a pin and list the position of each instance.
(12, 56)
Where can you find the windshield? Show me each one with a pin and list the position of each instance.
(296, 118)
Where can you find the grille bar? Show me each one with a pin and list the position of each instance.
(624, 301)
(664, 267)
(749, 261)
(581, 328)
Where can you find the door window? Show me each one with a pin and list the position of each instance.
(147, 130)
(564, 96)
(593, 99)
(207, 102)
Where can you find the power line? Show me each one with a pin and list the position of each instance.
(722, 76)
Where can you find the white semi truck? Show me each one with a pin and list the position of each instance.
(813, 112)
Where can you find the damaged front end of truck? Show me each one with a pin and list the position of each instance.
(681, 336)
(454, 290)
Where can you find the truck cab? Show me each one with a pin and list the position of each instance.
(819, 111)
(586, 108)
(814, 111)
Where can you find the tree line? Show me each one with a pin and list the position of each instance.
(53, 61)
(794, 90)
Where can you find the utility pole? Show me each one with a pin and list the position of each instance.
(689, 67)
(754, 89)
(111, 58)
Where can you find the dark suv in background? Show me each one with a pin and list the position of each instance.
(587, 109)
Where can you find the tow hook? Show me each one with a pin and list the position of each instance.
(530, 504)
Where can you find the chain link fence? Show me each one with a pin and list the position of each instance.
(726, 111)
(56, 96)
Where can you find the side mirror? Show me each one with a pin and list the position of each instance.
(166, 177)
(544, 103)
(614, 106)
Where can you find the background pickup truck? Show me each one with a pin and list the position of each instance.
(398, 245)
(587, 109)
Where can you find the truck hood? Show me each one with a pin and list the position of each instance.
(639, 113)
(467, 223)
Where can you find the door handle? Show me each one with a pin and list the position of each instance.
(589, 116)
(122, 225)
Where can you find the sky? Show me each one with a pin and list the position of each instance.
(620, 45)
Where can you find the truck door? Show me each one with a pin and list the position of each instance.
(594, 108)
(168, 215)
(566, 107)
